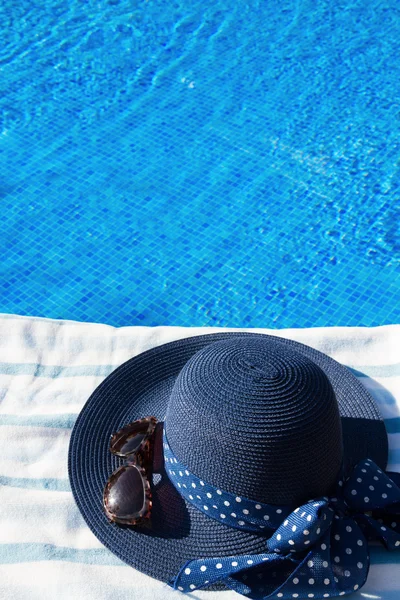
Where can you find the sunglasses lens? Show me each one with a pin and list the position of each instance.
(125, 495)
(129, 439)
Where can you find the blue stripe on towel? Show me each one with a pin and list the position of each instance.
(394, 456)
(17, 553)
(61, 421)
(380, 556)
(393, 425)
(55, 371)
(55, 485)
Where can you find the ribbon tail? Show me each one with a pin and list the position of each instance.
(382, 529)
(200, 573)
(337, 565)
(370, 489)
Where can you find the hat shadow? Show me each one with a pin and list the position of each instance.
(373, 441)
(169, 514)
(379, 392)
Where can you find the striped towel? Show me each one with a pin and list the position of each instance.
(48, 369)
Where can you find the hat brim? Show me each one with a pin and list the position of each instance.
(179, 532)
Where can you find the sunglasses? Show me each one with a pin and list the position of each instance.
(127, 494)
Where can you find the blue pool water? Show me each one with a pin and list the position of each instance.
(201, 163)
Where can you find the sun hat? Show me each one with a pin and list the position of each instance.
(268, 469)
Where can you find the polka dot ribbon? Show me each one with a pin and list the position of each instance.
(317, 550)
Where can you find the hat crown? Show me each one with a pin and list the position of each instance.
(256, 419)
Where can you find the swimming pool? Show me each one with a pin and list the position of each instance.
(201, 163)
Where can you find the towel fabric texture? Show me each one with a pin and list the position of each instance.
(48, 369)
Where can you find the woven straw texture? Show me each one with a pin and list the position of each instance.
(220, 440)
(262, 421)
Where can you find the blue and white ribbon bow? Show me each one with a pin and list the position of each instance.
(319, 550)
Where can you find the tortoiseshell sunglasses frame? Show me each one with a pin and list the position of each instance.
(139, 459)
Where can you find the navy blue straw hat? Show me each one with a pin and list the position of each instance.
(248, 418)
